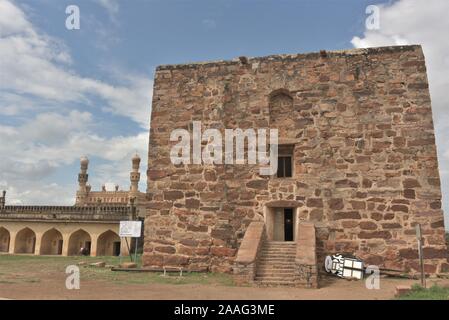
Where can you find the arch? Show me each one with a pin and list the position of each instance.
(51, 242)
(108, 244)
(279, 92)
(281, 112)
(79, 239)
(5, 238)
(25, 241)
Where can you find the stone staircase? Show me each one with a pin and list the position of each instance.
(276, 264)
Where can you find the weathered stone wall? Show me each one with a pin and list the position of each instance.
(365, 163)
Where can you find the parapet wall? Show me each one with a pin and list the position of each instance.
(66, 213)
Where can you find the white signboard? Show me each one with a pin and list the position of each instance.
(130, 229)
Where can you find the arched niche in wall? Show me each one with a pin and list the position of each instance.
(281, 113)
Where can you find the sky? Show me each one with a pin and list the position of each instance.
(68, 93)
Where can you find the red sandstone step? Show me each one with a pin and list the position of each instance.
(275, 270)
(288, 266)
(275, 260)
(275, 267)
(280, 260)
(287, 251)
(291, 266)
(279, 247)
(275, 276)
(277, 255)
(276, 264)
(269, 283)
(287, 275)
(283, 250)
(281, 242)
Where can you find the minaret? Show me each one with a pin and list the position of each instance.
(3, 200)
(135, 176)
(81, 195)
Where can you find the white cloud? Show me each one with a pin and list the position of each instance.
(36, 64)
(425, 23)
(38, 91)
(52, 141)
(37, 193)
(12, 19)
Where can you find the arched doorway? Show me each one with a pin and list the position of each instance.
(51, 242)
(79, 239)
(108, 244)
(4, 240)
(25, 241)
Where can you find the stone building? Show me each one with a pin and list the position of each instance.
(357, 166)
(92, 223)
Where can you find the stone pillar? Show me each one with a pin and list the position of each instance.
(94, 245)
(12, 241)
(37, 244)
(65, 244)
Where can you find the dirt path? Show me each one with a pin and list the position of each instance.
(31, 277)
(54, 288)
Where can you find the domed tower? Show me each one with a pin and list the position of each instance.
(3, 200)
(135, 176)
(82, 192)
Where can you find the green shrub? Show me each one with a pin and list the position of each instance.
(433, 293)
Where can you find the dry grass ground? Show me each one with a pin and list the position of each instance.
(43, 277)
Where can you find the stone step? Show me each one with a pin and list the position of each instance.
(285, 254)
(284, 273)
(271, 245)
(280, 242)
(274, 260)
(287, 251)
(275, 267)
(275, 283)
(278, 254)
(275, 278)
(287, 265)
(283, 251)
(279, 247)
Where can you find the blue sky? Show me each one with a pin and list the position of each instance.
(143, 34)
(65, 93)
